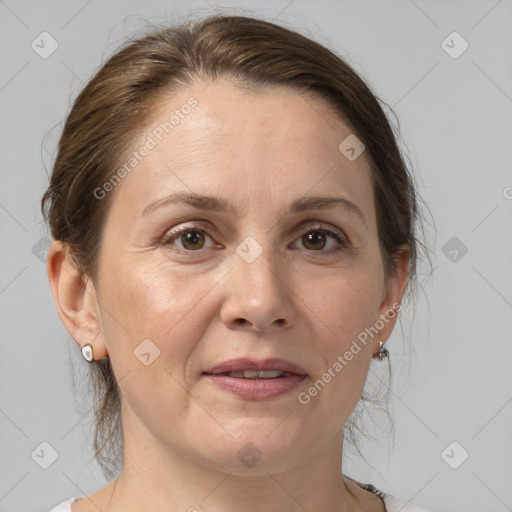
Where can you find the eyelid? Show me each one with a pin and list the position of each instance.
(326, 227)
(192, 226)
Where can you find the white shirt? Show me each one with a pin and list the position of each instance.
(392, 505)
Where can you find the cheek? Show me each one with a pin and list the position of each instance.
(345, 304)
(345, 308)
(150, 325)
(151, 301)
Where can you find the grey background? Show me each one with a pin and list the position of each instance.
(456, 124)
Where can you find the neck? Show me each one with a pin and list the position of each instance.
(159, 479)
(202, 489)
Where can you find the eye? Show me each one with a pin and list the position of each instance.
(191, 238)
(316, 239)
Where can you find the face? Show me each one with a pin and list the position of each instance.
(184, 287)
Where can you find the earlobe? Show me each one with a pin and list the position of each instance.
(75, 298)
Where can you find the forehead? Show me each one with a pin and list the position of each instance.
(271, 143)
(268, 118)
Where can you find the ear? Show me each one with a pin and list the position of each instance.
(76, 299)
(394, 290)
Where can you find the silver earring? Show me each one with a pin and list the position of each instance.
(87, 352)
(383, 353)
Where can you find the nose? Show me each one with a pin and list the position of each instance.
(259, 296)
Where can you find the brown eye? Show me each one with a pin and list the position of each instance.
(314, 240)
(192, 239)
(189, 239)
(317, 239)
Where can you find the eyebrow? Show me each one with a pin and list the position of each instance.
(218, 204)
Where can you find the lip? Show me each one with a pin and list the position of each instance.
(263, 389)
(246, 363)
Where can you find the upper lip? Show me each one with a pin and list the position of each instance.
(241, 364)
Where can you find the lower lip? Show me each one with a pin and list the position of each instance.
(260, 389)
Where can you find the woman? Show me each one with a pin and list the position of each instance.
(234, 232)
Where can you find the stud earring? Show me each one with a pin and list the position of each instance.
(383, 353)
(87, 352)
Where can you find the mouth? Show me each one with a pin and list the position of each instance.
(253, 369)
(256, 380)
(254, 374)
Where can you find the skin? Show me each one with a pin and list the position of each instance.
(260, 150)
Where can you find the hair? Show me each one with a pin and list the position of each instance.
(108, 114)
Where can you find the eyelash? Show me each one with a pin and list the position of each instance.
(343, 242)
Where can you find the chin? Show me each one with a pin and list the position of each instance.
(257, 447)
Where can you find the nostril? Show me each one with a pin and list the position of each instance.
(244, 321)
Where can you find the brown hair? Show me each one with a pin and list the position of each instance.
(117, 102)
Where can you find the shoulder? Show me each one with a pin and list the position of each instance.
(65, 506)
(394, 504)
